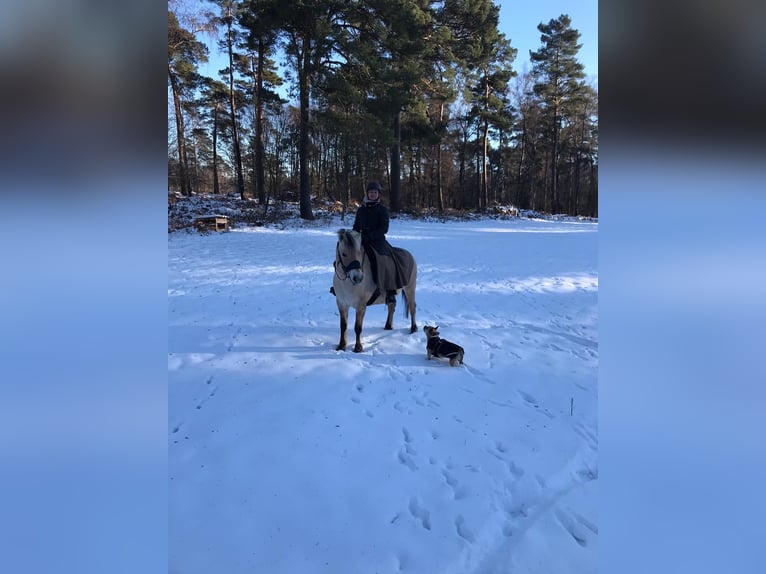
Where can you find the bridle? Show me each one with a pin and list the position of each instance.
(355, 264)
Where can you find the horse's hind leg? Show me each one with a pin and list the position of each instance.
(409, 296)
(390, 317)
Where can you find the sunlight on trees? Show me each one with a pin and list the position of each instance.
(424, 97)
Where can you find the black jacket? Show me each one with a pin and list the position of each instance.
(372, 221)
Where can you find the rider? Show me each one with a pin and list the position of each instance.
(372, 221)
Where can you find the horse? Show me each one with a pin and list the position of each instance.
(354, 286)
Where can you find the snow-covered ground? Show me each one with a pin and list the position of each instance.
(287, 456)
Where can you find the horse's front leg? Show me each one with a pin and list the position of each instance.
(343, 325)
(360, 311)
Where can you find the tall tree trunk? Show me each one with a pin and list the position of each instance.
(260, 184)
(577, 184)
(463, 152)
(580, 159)
(592, 204)
(485, 164)
(216, 187)
(346, 195)
(554, 163)
(193, 164)
(478, 165)
(303, 141)
(233, 110)
(439, 191)
(183, 166)
(396, 153)
(413, 168)
(485, 143)
(546, 185)
(522, 158)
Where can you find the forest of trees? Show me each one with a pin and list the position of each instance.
(422, 96)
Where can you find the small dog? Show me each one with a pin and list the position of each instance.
(438, 347)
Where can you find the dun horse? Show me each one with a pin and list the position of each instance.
(355, 288)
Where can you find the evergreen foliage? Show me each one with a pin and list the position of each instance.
(422, 96)
(559, 85)
(185, 52)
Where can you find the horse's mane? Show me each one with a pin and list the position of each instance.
(350, 237)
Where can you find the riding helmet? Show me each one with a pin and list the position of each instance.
(372, 185)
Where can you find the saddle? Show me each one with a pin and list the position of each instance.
(397, 270)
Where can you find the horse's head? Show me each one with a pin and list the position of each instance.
(349, 255)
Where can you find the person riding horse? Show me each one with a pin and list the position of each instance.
(372, 222)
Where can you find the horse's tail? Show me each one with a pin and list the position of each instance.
(405, 304)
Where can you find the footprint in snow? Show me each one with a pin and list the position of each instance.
(463, 530)
(405, 458)
(459, 492)
(207, 398)
(401, 408)
(579, 528)
(420, 513)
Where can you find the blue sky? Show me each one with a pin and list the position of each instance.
(518, 21)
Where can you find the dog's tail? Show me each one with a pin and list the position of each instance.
(457, 358)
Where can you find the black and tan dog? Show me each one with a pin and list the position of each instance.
(438, 347)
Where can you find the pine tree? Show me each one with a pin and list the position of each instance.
(490, 94)
(560, 77)
(485, 56)
(527, 130)
(395, 46)
(581, 137)
(184, 53)
(229, 10)
(311, 34)
(259, 20)
(215, 98)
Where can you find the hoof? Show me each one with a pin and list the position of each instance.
(358, 348)
(340, 348)
(413, 329)
(388, 327)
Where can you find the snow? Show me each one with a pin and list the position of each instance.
(287, 456)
